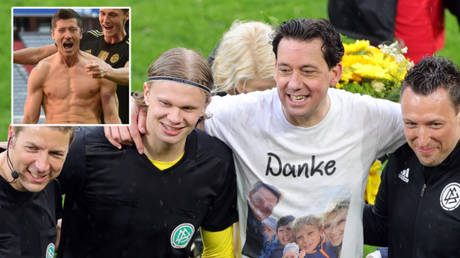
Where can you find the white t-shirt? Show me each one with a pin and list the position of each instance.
(311, 167)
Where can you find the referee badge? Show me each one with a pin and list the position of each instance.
(181, 235)
(450, 197)
(50, 251)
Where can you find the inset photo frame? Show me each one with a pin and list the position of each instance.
(70, 65)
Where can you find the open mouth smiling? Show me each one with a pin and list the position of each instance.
(67, 45)
(38, 178)
(298, 98)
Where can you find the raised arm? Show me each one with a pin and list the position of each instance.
(109, 102)
(117, 75)
(35, 93)
(33, 55)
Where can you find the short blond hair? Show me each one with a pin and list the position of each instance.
(64, 129)
(305, 221)
(245, 52)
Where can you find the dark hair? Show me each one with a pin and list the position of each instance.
(432, 73)
(271, 188)
(64, 14)
(124, 10)
(283, 221)
(309, 29)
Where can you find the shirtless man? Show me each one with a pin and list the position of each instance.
(60, 83)
(113, 22)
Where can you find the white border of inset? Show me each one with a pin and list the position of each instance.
(12, 122)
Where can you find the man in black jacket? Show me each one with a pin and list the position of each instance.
(417, 212)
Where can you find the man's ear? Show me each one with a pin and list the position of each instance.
(336, 73)
(10, 132)
(146, 93)
(208, 101)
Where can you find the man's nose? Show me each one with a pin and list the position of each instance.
(423, 136)
(42, 162)
(67, 34)
(175, 115)
(295, 81)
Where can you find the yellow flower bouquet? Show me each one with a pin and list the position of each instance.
(375, 71)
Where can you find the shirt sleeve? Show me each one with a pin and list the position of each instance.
(230, 114)
(390, 133)
(217, 244)
(222, 213)
(58, 200)
(74, 168)
(220, 112)
(375, 216)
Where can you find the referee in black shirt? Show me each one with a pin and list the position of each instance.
(30, 199)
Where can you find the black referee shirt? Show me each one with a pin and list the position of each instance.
(115, 55)
(28, 221)
(119, 205)
(417, 209)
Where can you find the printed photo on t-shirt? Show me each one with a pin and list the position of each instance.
(311, 233)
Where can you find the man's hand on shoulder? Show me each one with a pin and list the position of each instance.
(118, 135)
(97, 70)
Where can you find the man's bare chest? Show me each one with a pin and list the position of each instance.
(70, 82)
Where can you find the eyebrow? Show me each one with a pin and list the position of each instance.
(39, 147)
(302, 67)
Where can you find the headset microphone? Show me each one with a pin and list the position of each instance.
(14, 173)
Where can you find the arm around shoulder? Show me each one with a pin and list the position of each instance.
(391, 133)
(103, 70)
(33, 55)
(118, 75)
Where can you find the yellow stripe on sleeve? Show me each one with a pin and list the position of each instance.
(217, 244)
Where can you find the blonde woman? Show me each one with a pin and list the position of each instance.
(244, 59)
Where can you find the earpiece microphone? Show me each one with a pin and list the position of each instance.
(14, 173)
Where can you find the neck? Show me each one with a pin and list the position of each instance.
(314, 118)
(115, 38)
(70, 61)
(161, 151)
(5, 172)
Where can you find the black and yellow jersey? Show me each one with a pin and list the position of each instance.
(114, 54)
